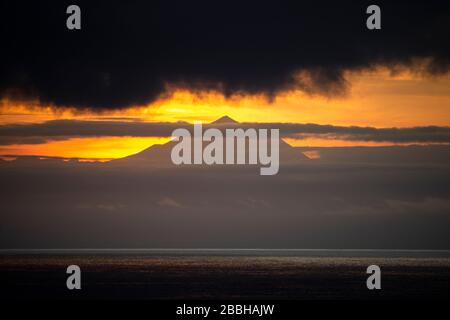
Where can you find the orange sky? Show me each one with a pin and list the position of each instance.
(375, 98)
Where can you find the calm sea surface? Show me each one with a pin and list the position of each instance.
(225, 274)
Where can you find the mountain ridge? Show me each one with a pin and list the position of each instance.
(159, 154)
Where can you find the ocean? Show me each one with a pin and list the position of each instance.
(225, 274)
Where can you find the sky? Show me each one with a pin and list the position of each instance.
(365, 113)
(258, 62)
(375, 98)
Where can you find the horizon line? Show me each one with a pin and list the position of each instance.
(221, 249)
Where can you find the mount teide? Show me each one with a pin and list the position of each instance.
(159, 155)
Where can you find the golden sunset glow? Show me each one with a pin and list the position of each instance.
(375, 98)
(91, 148)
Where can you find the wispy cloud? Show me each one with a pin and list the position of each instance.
(38, 133)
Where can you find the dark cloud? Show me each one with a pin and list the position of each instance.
(353, 133)
(56, 129)
(127, 52)
(399, 201)
(64, 129)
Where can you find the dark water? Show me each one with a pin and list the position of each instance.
(225, 274)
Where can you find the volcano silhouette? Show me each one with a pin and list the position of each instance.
(225, 120)
(158, 155)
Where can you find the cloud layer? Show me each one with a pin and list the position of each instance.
(397, 200)
(64, 129)
(128, 52)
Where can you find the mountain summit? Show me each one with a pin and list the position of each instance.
(225, 120)
(159, 155)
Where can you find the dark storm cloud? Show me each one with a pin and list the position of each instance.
(64, 129)
(127, 52)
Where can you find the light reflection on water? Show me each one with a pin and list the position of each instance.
(205, 274)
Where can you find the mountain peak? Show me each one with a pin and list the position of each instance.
(225, 120)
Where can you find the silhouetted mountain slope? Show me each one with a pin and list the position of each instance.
(159, 155)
